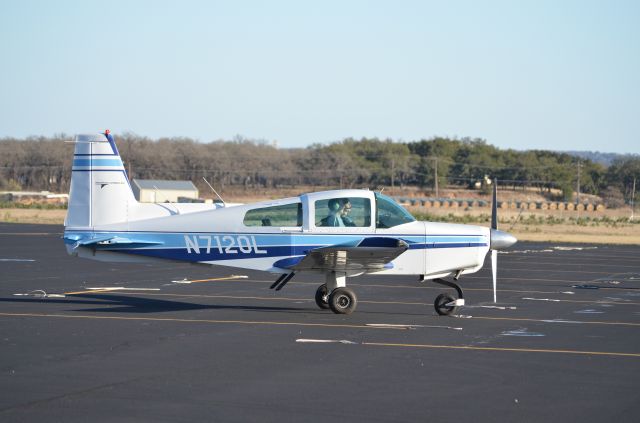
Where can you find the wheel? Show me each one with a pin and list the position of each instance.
(342, 301)
(322, 296)
(441, 304)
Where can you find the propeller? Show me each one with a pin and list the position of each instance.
(494, 269)
(499, 239)
(494, 227)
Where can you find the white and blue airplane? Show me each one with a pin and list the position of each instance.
(334, 234)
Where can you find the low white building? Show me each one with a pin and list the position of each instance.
(158, 191)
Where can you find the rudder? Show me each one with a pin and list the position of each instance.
(100, 193)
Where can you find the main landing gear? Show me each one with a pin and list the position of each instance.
(332, 294)
(445, 304)
(335, 295)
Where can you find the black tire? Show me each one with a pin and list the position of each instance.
(441, 304)
(322, 297)
(343, 301)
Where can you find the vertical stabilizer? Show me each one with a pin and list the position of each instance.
(100, 193)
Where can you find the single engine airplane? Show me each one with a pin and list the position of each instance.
(336, 234)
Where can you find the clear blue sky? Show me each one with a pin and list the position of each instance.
(561, 75)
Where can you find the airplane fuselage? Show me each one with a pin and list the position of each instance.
(435, 249)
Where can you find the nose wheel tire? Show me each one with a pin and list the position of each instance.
(342, 301)
(322, 297)
(441, 304)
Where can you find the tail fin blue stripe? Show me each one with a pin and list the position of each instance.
(97, 162)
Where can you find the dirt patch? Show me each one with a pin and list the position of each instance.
(41, 216)
(572, 233)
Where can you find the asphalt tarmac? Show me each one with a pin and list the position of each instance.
(176, 342)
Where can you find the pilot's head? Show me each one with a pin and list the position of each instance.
(346, 206)
(334, 204)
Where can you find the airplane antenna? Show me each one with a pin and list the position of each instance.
(214, 191)
(166, 198)
(516, 221)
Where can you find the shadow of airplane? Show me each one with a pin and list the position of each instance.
(111, 303)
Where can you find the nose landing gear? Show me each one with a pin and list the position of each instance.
(445, 304)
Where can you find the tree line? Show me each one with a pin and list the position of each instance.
(44, 163)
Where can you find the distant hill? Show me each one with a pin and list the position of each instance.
(602, 158)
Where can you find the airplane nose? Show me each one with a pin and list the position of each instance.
(501, 240)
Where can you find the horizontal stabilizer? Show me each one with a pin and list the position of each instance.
(110, 241)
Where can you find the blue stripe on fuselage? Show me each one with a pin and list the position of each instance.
(224, 246)
(274, 251)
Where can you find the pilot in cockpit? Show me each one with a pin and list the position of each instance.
(344, 212)
(335, 214)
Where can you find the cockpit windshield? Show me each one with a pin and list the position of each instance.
(389, 213)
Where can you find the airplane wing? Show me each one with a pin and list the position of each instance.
(369, 254)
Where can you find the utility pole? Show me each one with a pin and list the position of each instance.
(633, 197)
(393, 174)
(130, 158)
(436, 178)
(579, 172)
